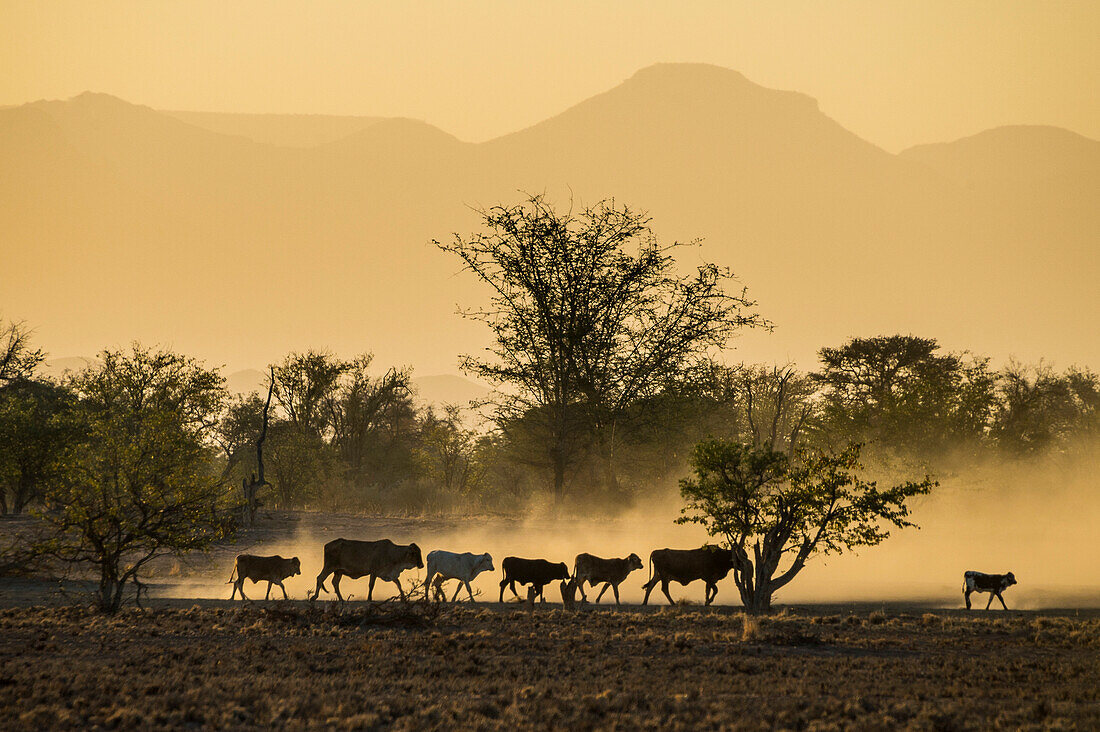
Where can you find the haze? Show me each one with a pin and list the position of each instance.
(897, 74)
(237, 237)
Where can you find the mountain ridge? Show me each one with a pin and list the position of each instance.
(146, 226)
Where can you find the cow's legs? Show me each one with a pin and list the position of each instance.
(580, 586)
(267, 595)
(664, 589)
(615, 589)
(710, 593)
(966, 596)
(428, 582)
(325, 572)
(605, 587)
(503, 582)
(468, 590)
(336, 585)
(400, 589)
(648, 587)
(1002, 601)
(370, 589)
(238, 586)
(283, 588)
(991, 596)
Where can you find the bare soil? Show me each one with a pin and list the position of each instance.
(389, 665)
(189, 661)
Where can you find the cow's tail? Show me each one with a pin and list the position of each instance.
(650, 570)
(233, 575)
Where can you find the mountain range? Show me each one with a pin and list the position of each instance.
(240, 237)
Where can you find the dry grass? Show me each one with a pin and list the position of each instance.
(388, 666)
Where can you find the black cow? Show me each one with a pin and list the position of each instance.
(709, 563)
(994, 584)
(611, 572)
(535, 572)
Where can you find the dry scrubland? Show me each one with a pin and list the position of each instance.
(414, 667)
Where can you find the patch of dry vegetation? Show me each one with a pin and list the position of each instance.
(361, 666)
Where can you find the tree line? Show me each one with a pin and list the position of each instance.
(608, 385)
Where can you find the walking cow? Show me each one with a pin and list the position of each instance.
(594, 570)
(535, 572)
(462, 567)
(709, 563)
(994, 584)
(380, 559)
(272, 570)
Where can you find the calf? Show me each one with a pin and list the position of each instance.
(994, 584)
(535, 572)
(462, 567)
(612, 572)
(272, 570)
(709, 563)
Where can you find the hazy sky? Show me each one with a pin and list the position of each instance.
(896, 73)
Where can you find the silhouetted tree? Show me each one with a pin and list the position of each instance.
(588, 318)
(142, 482)
(36, 426)
(900, 392)
(18, 358)
(775, 512)
(1039, 409)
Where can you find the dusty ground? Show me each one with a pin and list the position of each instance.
(191, 661)
(212, 665)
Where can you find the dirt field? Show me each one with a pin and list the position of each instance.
(193, 661)
(212, 665)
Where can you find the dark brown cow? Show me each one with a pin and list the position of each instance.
(535, 572)
(994, 584)
(594, 570)
(709, 563)
(272, 570)
(380, 559)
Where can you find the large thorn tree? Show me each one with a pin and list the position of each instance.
(589, 317)
(775, 512)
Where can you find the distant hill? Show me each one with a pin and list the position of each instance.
(58, 368)
(447, 389)
(137, 224)
(246, 381)
(285, 130)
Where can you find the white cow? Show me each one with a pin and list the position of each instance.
(462, 567)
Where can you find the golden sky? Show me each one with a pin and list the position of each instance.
(896, 73)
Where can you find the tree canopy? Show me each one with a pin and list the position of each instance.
(589, 318)
(140, 483)
(775, 512)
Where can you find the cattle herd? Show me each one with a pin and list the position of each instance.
(386, 560)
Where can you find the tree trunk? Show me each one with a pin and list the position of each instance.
(559, 479)
(22, 493)
(760, 603)
(110, 589)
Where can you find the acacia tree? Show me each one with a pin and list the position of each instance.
(141, 484)
(35, 428)
(18, 359)
(775, 512)
(901, 391)
(589, 317)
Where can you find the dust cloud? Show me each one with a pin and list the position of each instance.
(1037, 519)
